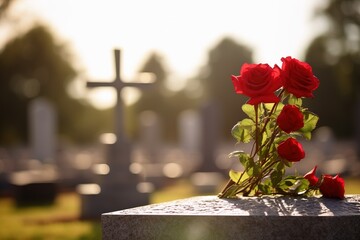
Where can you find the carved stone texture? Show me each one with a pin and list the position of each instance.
(209, 217)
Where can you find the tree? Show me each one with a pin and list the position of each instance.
(33, 65)
(335, 58)
(166, 103)
(225, 59)
(4, 6)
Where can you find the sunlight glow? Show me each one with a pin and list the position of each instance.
(108, 138)
(160, 26)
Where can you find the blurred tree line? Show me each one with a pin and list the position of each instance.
(34, 65)
(335, 58)
(31, 66)
(213, 82)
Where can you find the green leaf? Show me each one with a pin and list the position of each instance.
(287, 163)
(280, 167)
(275, 177)
(294, 185)
(310, 121)
(245, 159)
(307, 135)
(235, 176)
(252, 168)
(295, 101)
(301, 185)
(264, 188)
(243, 130)
(286, 183)
(278, 109)
(236, 153)
(249, 110)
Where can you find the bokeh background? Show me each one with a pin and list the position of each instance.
(51, 49)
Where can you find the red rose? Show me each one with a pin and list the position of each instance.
(259, 82)
(297, 77)
(290, 119)
(333, 187)
(291, 150)
(310, 176)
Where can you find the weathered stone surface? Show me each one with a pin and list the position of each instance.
(245, 218)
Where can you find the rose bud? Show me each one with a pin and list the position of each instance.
(291, 150)
(310, 176)
(290, 119)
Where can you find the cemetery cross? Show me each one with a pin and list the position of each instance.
(119, 186)
(119, 155)
(118, 84)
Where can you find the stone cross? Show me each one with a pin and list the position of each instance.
(118, 84)
(118, 189)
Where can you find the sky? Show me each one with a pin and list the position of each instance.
(181, 31)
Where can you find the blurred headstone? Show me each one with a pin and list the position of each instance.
(150, 135)
(331, 161)
(208, 175)
(38, 184)
(210, 134)
(119, 188)
(325, 140)
(357, 127)
(190, 131)
(42, 127)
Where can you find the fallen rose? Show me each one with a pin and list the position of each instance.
(333, 187)
(310, 176)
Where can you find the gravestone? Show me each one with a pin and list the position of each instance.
(211, 218)
(357, 122)
(150, 135)
(208, 175)
(38, 185)
(332, 161)
(118, 189)
(43, 132)
(210, 136)
(190, 131)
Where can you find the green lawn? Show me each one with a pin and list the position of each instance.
(60, 221)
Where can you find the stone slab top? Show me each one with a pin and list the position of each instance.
(250, 206)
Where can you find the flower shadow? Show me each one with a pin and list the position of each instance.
(293, 206)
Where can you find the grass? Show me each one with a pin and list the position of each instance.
(60, 221)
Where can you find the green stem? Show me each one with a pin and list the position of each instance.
(273, 109)
(257, 136)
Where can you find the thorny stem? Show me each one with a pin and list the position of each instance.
(249, 184)
(272, 111)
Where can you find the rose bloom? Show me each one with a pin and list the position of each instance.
(310, 176)
(297, 77)
(291, 150)
(259, 82)
(333, 187)
(290, 119)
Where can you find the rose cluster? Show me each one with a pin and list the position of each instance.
(276, 119)
(260, 82)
